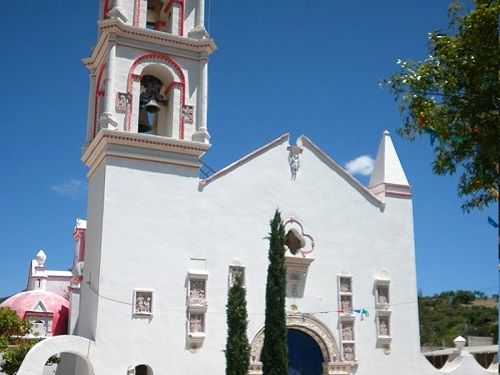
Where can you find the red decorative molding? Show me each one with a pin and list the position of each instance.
(105, 9)
(302, 251)
(159, 24)
(149, 141)
(165, 59)
(137, 13)
(180, 4)
(79, 236)
(97, 95)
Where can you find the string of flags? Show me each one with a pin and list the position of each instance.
(363, 312)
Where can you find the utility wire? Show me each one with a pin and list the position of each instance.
(325, 311)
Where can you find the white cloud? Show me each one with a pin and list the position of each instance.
(73, 189)
(362, 165)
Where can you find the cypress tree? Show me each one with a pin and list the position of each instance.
(274, 352)
(237, 346)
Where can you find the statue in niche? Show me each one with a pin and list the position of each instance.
(349, 353)
(383, 293)
(345, 285)
(346, 304)
(347, 334)
(383, 328)
(195, 325)
(197, 292)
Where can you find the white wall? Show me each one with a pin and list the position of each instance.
(155, 219)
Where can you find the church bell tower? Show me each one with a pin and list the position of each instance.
(146, 131)
(149, 70)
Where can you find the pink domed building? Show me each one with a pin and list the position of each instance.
(46, 301)
(47, 311)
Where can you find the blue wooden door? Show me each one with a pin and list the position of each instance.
(304, 355)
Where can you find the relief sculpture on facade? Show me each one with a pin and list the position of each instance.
(143, 302)
(347, 332)
(197, 291)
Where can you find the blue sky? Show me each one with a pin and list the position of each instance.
(298, 66)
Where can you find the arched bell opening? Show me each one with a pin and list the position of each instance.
(156, 102)
(140, 370)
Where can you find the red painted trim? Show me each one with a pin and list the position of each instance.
(47, 314)
(398, 194)
(79, 236)
(180, 4)
(137, 13)
(105, 9)
(159, 24)
(97, 95)
(132, 76)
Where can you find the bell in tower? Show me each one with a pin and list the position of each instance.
(151, 102)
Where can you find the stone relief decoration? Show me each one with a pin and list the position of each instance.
(297, 242)
(349, 353)
(346, 317)
(188, 113)
(382, 294)
(236, 271)
(384, 337)
(294, 160)
(123, 101)
(383, 326)
(347, 331)
(345, 285)
(346, 304)
(196, 305)
(143, 302)
(317, 330)
(197, 291)
(196, 323)
(196, 296)
(382, 308)
(345, 294)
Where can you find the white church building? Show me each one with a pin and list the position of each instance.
(152, 296)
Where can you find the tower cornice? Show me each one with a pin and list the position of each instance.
(114, 30)
(144, 147)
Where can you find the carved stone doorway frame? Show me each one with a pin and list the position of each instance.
(318, 331)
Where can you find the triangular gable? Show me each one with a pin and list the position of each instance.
(302, 141)
(39, 307)
(325, 158)
(245, 159)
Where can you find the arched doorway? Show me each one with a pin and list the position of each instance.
(329, 358)
(304, 354)
(140, 370)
